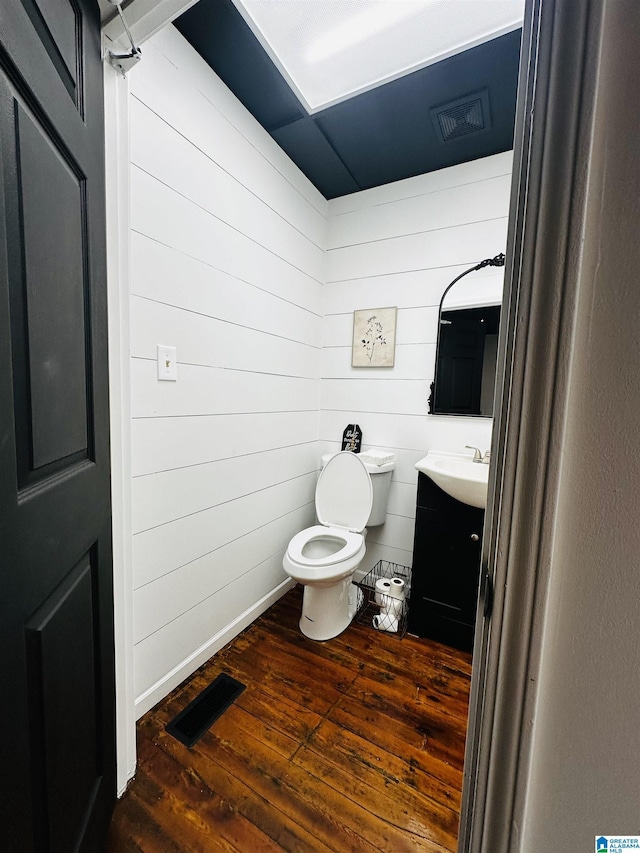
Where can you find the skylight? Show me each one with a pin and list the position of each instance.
(331, 50)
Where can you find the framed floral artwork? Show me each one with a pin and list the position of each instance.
(374, 337)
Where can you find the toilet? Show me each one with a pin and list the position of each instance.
(324, 557)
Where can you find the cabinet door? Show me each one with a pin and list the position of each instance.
(445, 575)
(450, 561)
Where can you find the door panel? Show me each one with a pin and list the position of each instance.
(65, 726)
(57, 767)
(49, 337)
(58, 25)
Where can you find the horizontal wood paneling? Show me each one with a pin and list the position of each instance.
(172, 219)
(162, 652)
(467, 244)
(203, 109)
(396, 532)
(177, 163)
(212, 390)
(196, 70)
(413, 289)
(207, 342)
(393, 396)
(402, 498)
(443, 179)
(163, 444)
(161, 550)
(449, 207)
(204, 289)
(228, 255)
(172, 595)
(169, 495)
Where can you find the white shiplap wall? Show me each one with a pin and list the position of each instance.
(227, 265)
(400, 245)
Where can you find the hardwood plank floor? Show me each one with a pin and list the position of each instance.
(356, 744)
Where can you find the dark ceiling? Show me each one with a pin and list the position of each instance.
(392, 132)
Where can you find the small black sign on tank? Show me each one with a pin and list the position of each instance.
(352, 438)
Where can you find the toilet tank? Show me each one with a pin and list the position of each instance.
(380, 465)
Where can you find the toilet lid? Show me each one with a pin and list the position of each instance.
(344, 493)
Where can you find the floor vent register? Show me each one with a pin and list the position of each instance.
(194, 720)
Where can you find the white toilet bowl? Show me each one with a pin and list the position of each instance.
(325, 556)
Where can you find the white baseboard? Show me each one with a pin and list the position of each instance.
(130, 775)
(165, 685)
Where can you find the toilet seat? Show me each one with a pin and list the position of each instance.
(343, 503)
(352, 542)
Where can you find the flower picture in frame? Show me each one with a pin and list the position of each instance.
(374, 337)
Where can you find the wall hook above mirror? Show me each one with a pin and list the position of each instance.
(466, 350)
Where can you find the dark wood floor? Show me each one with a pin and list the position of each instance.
(355, 744)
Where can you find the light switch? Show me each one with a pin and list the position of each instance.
(167, 364)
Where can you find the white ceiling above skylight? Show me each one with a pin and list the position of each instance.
(330, 50)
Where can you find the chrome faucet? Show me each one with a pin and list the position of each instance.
(477, 454)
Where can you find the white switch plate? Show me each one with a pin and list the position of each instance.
(167, 364)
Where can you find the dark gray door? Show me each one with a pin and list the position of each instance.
(57, 779)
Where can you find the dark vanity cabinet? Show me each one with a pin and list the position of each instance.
(446, 567)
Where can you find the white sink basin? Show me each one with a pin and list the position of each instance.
(458, 475)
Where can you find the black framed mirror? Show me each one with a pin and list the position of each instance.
(466, 352)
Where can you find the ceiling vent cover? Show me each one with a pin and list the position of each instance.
(466, 115)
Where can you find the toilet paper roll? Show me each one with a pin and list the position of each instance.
(383, 591)
(385, 621)
(393, 587)
(397, 588)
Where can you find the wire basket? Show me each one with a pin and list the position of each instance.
(386, 613)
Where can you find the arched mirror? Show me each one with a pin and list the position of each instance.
(467, 347)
